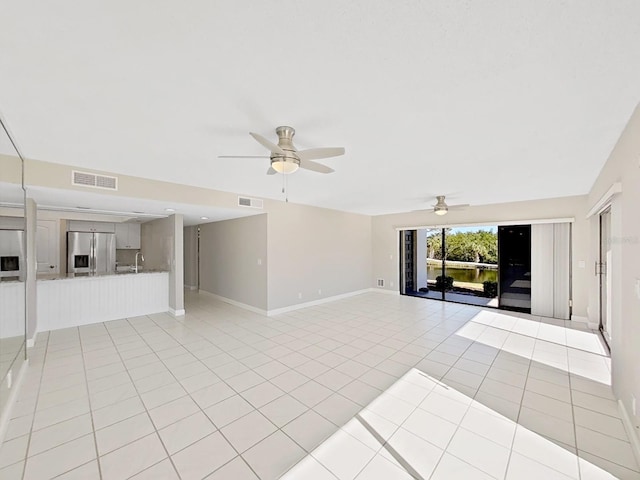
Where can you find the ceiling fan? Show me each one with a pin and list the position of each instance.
(286, 159)
(441, 207)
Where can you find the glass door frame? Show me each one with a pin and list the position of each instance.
(603, 273)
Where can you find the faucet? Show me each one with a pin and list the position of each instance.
(141, 257)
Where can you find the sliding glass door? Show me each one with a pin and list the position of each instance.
(480, 265)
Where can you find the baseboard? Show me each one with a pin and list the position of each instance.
(384, 290)
(177, 313)
(313, 303)
(585, 320)
(5, 415)
(191, 287)
(632, 431)
(31, 342)
(297, 306)
(235, 303)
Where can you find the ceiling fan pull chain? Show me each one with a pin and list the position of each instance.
(286, 182)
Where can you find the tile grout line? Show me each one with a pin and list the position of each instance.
(575, 427)
(517, 421)
(35, 408)
(93, 427)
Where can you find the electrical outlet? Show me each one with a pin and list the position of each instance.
(299, 294)
(633, 404)
(259, 261)
(392, 284)
(319, 291)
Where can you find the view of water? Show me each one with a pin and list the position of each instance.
(474, 275)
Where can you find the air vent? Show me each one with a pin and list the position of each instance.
(86, 179)
(250, 202)
(381, 282)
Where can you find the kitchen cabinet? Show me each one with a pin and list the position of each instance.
(128, 236)
(82, 226)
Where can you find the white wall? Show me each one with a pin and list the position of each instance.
(315, 253)
(191, 257)
(622, 166)
(233, 260)
(385, 236)
(162, 246)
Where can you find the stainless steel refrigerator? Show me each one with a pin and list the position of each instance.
(91, 253)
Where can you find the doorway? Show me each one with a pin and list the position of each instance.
(514, 244)
(604, 272)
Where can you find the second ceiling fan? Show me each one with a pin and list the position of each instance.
(285, 158)
(441, 207)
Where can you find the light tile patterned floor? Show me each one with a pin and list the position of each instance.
(371, 387)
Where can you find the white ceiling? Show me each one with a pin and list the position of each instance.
(490, 100)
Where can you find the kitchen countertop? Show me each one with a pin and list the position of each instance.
(71, 276)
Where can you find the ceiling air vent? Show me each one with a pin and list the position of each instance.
(93, 180)
(250, 202)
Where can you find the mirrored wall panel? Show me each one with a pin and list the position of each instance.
(12, 270)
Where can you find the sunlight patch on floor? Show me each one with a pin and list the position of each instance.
(422, 428)
(573, 351)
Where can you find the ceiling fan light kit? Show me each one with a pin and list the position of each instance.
(440, 208)
(284, 165)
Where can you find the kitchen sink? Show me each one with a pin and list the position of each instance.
(127, 268)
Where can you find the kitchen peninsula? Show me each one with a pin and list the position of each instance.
(82, 300)
(67, 292)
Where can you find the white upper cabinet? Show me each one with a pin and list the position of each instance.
(82, 226)
(128, 236)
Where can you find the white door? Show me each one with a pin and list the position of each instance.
(48, 246)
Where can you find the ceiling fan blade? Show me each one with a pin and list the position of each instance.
(271, 171)
(315, 167)
(243, 156)
(424, 210)
(272, 147)
(317, 153)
